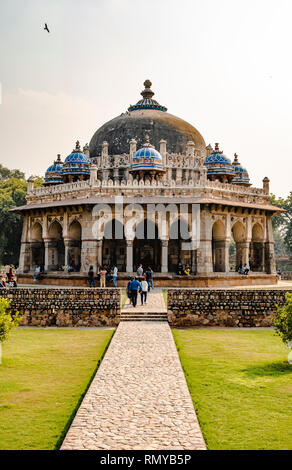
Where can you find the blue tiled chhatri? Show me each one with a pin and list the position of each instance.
(53, 174)
(76, 163)
(147, 158)
(241, 174)
(218, 164)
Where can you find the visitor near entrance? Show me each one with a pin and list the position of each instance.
(144, 291)
(115, 276)
(91, 277)
(134, 287)
(102, 274)
(140, 271)
(149, 278)
(37, 272)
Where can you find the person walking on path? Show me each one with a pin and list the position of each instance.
(102, 274)
(91, 277)
(140, 271)
(144, 291)
(149, 279)
(134, 286)
(115, 276)
(129, 291)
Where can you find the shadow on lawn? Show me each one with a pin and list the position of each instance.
(274, 369)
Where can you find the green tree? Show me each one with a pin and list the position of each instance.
(282, 223)
(7, 322)
(13, 189)
(283, 320)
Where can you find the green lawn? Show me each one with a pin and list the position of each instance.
(43, 376)
(241, 386)
(164, 292)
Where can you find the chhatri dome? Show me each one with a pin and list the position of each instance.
(241, 174)
(147, 116)
(219, 166)
(53, 174)
(147, 159)
(76, 165)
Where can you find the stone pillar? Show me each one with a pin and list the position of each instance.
(204, 252)
(194, 261)
(67, 247)
(270, 263)
(104, 153)
(129, 267)
(88, 254)
(24, 258)
(226, 255)
(46, 266)
(164, 256)
(93, 174)
(243, 249)
(162, 151)
(133, 148)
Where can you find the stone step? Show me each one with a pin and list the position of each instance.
(144, 319)
(139, 316)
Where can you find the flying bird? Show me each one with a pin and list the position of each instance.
(46, 27)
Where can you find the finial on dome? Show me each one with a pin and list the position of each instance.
(216, 146)
(235, 158)
(147, 93)
(147, 141)
(58, 157)
(77, 147)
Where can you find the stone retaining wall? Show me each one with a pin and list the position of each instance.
(223, 307)
(65, 307)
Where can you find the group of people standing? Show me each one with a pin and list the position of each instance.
(8, 278)
(103, 275)
(142, 283)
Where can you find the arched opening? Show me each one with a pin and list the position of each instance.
(239, 236)
(114, 245)
(178, 235)
(147, 251)
(37, 246)
(218, 247)
(56, 247)
(74, 246)
(257, 249)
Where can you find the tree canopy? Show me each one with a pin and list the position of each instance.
(282, 223)
(13, 189)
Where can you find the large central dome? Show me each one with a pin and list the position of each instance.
(147, 117)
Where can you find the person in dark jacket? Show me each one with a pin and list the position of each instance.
(135, 286)
(91, 277)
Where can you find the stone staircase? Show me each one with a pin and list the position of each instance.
(143, 316)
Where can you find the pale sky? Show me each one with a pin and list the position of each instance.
(224, 66)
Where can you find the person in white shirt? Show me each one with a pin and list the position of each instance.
(140, 271)
(144, 291)
(37, 272)
(115, 276)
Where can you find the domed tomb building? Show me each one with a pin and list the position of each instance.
(147, 190)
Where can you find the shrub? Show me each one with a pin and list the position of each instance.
(283, 320)
(7, 323)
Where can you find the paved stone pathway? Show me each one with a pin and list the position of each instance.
(155, 303)
(139, 397)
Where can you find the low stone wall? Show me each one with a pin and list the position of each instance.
(65, 307)
(223, 307)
